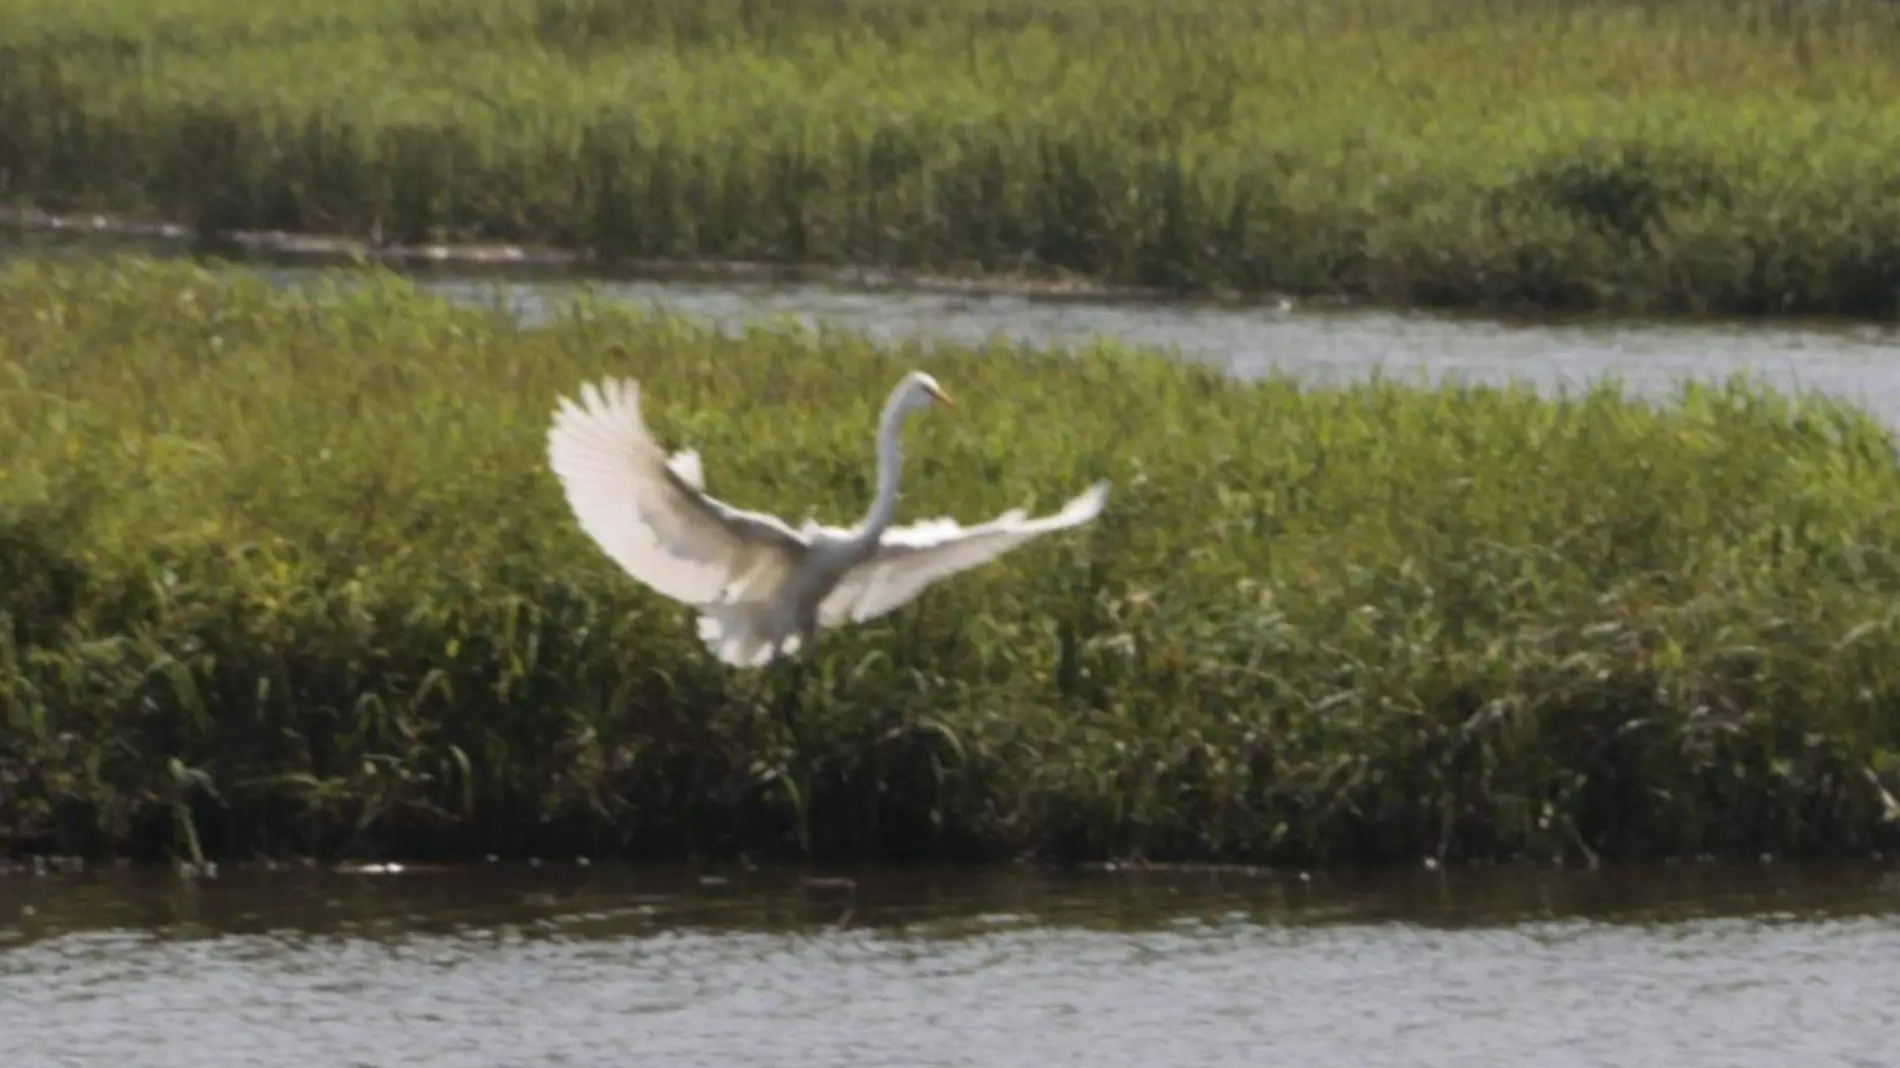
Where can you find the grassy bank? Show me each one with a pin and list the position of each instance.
(1714, 155)
(307, 546)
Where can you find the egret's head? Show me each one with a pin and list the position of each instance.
(921, 389)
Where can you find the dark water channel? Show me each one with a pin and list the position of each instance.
(1672, 968)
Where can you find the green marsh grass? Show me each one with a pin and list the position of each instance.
(286, 571)
(1734, 156)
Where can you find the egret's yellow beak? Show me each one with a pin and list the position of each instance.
(943, 398)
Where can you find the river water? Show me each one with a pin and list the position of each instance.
(1857, 363)
(1671, 968)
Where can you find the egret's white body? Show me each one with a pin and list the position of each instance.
(763, 589)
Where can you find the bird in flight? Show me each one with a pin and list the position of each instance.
(763, 589)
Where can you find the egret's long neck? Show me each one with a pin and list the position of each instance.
(890, 468)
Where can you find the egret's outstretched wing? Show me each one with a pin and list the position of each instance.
(908, 559)
(650, 512)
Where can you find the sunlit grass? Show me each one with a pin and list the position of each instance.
(308, 545)
(1736, 155)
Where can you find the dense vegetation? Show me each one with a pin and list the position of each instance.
(1721, 155)
(288, 571)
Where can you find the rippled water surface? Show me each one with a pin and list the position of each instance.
(569, 966)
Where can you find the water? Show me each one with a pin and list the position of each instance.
(1675, 968)
(1858, 363)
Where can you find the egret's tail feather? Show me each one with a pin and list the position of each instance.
(738, 634)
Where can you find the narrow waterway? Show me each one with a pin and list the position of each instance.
(1857, 363)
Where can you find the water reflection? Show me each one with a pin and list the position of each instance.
(606, 901)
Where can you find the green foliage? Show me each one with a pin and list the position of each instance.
(292, 565)
(1700, 155)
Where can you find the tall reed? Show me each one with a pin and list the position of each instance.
(1716, 155)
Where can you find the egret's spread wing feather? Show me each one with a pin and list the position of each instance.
(685, 464)
(908, 559)
(650, 513)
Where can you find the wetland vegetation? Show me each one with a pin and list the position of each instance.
(285, 571)
(1733, 156)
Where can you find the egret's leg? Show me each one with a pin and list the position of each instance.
(804, 661)
(792, 672)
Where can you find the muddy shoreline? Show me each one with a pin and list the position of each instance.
(317, 249)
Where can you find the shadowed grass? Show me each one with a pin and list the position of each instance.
(1730, 156)
(303, 550)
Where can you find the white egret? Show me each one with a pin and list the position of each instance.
(763, 589)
